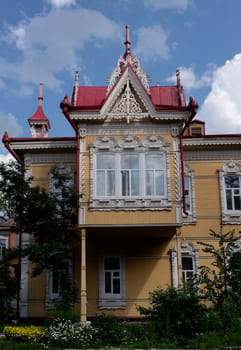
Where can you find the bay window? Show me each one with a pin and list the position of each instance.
(129, 173)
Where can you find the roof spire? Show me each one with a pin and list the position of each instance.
(127, 42)
(40, 97)
(39, 123)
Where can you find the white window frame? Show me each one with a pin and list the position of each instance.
(229, 216)
(3, 246)
(139, 200)
(111, 300)
(187, 250)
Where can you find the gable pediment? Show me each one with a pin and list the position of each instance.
(128, 100)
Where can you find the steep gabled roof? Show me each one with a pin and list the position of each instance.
(92, 98)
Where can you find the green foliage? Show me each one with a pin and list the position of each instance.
(177, 312)
(215, 279)
(49, 217)
(8, 289)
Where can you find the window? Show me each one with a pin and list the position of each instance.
(129, 167)
(3, 246)
(233, 193)
(130, 172)
(189, 263)
(154, 174)
(105, 175)
(187, 193)
(187, 269)
(111, 283)
(189, 213)
(112, 276)
(230, 191)
(130, 175)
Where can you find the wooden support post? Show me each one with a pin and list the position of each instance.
(83, 292)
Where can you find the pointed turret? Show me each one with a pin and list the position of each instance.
(39, 123)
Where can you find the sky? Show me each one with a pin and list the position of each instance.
(48, 40)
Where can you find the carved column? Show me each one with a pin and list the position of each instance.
(83, 291)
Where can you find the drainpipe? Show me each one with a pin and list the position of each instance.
(6, 142)
(192, 107)
(64, 105)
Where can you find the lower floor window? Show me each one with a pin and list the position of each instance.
(112, 282)
(187, 269)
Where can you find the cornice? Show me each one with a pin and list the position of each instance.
(40, 144)
(158, 116)
(215, 141)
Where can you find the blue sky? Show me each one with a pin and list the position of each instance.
(49, 39)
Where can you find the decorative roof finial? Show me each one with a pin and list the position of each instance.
(127, 42)
(178, 77)
(76, 78)
(40, 97)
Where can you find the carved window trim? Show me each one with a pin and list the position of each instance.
(118, 147)
(229, 216)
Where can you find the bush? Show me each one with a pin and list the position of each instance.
(24, 333)
(177, 312)
(108, 329)
(67, 333)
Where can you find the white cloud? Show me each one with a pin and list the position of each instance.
(6, 157)
(151, 43)
(222, 107)
(49, 44)
(190, 80)
(61, 3)
(179, 5)
(9, 122)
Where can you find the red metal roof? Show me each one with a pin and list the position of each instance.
(94, 97)
(38, 115)
(165, 96)
(91, 96)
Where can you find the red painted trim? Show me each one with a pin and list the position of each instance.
(192, 106)
(65, 106)
(6, 142)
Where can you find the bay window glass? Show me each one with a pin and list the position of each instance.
(130, 174)
(154, 174)
(233, 192)
(105, 181)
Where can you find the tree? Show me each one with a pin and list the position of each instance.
(216, 277)
(49, 217)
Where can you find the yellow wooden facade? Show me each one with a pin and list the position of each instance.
(130, 243)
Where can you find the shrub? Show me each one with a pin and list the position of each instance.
(24, 333)
(177, 312)
(108, 329)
